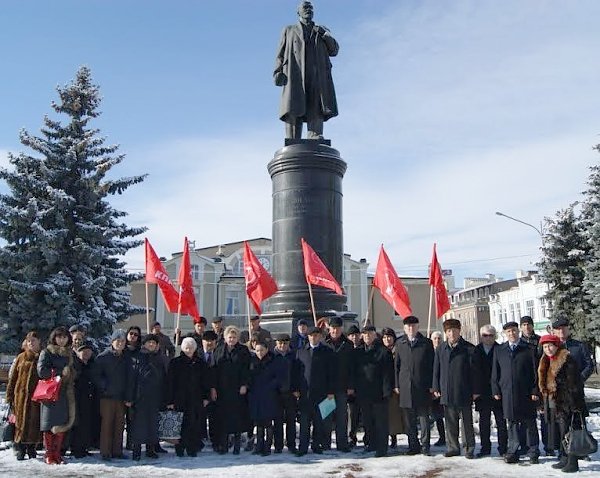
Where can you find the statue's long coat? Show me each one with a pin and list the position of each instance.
(291, 62)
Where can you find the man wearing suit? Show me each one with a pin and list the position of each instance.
(514, 381)
(413, 367)
(486, 404)
(374, 385)
(456, 383)
(288, 405)
(313, 380)
(209, 343)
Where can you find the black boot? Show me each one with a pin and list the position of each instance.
(260, 441)
(136, 452)
(31, 453)
(562, 462)
(268, 441)
(179, 450)
(237, 443)
(393, 441)
(20, 451)
(572, 465)
(150, 451)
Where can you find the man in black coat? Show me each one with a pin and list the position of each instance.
(288, 406)
(344, 373)
(514, 381)
(353, 408)
(313, 380)
(413, 367)
(578, 350)
(486, 404)
(528, 335)
(374, 385)
(456, 382)
(206, 353)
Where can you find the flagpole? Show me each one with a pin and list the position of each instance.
(178, 333)
(248, 312)
(147, 309)
(429, 315)
(369, 305)
(312, 303)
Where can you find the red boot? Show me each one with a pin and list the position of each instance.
(59, 438)
(49, 446)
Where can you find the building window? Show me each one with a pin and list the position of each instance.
(511, 307)
(195, 271)
(530, 308)
(518, 310)
(543, 307)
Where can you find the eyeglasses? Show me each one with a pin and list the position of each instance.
(487, 335)
(135, 334)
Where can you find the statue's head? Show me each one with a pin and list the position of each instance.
(306, 11)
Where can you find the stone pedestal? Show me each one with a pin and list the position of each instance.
(307, 202)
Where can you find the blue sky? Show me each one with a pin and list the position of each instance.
(449, 111)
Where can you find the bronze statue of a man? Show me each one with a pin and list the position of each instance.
(303, 68)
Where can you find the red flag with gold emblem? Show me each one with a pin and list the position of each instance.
(259, 283)
(156, 274)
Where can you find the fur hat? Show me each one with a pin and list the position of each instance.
(452, 324)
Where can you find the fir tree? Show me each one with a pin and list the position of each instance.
(591, 224)
(60, 264)
(563, 257)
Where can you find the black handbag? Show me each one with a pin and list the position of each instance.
(7, 427)
(579, 442)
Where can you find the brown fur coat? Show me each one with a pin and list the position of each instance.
(560, 380)
(21, 385)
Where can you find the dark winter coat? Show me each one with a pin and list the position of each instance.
(344, 367)
(59, 416)
(514, 378)
(111, 374)
(287, 365)
(267, 377)
(414, 371)
(291, 62)
(19, 390)
(455, 374)
(263, 335)
(298, 342)
(484, 366)
(88, 407)
(232, 371)
(313, 373)
(188, 384)
(148, 392)
(559, 380)
(166, 346)
(374, 372)
(582, 357)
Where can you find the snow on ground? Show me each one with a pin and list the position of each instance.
(330, 464)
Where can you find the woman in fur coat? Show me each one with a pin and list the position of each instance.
(562, 391)
(57, 418)
(19, 391)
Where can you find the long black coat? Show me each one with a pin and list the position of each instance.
(413, 368)
(514, 378)
(484, 366)
(374, 372)
(147, 387)
(83, 434)
(343, 352)
(267, 378)
(189, 381)
(455, 374)
(314, 373)
(232, 371)
(59, 416)
(580, 353)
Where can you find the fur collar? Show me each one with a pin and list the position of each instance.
(62, 351)
(548, 370)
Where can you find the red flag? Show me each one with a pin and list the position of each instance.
(156, 274)
(187, 300)
(259, 284)
(390, 285)
(315, 271)
(436, 280)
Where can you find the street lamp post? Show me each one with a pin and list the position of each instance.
(540, 231)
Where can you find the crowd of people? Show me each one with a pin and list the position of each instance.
(228, 382)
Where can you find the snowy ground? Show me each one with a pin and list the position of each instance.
(332, 464)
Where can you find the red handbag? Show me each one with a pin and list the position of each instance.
(47, 390)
